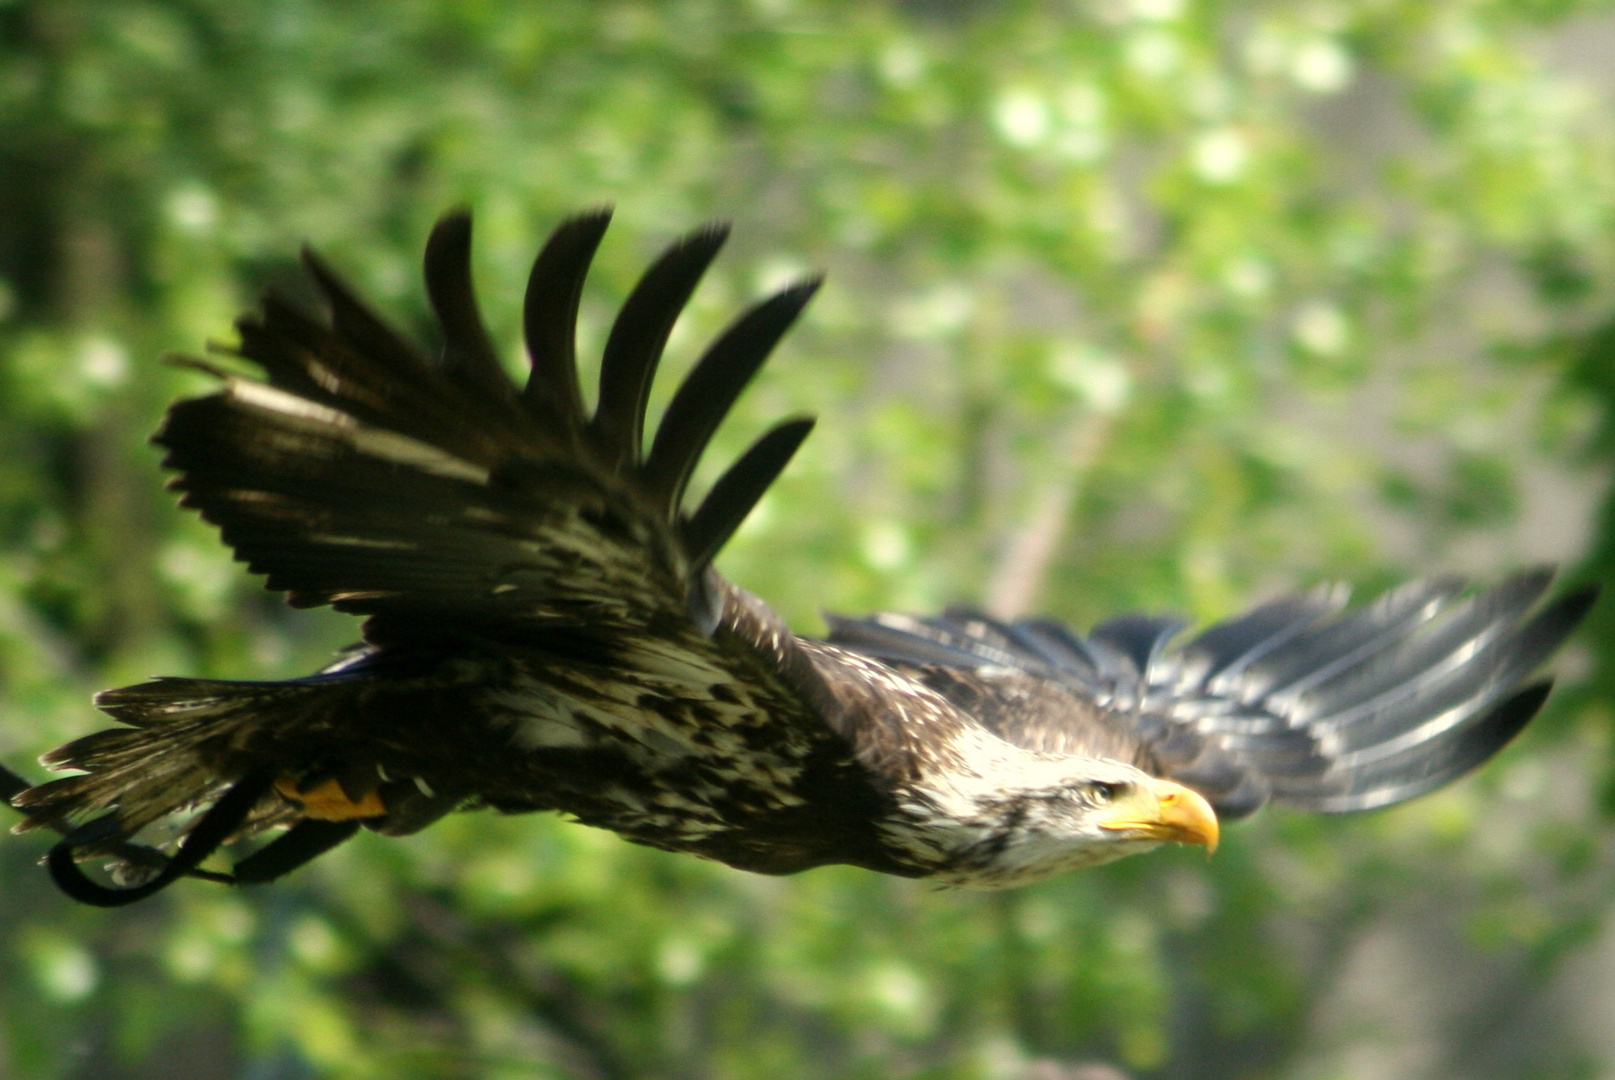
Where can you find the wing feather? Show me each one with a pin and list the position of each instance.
(738, 490)
(706, 395)
(468, 353)
(1135, 639)
(639, 335)
(364, 475)
(1420, 768)
(356, 325)
(1295, 700)
(1231, 647)
(550, 316)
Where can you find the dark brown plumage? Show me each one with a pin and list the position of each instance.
(544, 631)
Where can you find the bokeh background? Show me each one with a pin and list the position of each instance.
(1161, 304)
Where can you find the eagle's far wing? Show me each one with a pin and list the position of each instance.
(1298, 700)
(361, 474)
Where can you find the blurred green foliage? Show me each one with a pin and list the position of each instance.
(1131, 303)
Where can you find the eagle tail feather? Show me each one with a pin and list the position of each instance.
(179, 751)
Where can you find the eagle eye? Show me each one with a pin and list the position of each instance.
(1104, 792)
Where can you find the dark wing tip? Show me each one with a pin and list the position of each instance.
(453, 226)
(468, 353)
(738, 490)
(1470, 748)
(796, 295)
(1571, 608)
(352, 321)
(1546, 630)
(550, 314)
(711, 235)
(1418, 702)
(639, 335)
(711, 388)
(448, 253)
(335, 291)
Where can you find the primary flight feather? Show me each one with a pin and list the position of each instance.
(545, 631)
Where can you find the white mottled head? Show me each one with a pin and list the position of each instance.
(1017, 817)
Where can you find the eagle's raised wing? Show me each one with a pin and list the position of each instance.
(366, 476)
(445, 503)
(1297, 700)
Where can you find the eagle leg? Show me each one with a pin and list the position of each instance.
(222, 819)
(303, 842)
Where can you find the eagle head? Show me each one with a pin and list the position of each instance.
(1019, 821)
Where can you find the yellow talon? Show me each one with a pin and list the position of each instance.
(328, 802)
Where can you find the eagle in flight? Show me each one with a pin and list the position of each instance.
(544, 630)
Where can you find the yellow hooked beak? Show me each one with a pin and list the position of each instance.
(1165, 811)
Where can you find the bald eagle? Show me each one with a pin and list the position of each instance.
(544, 630)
